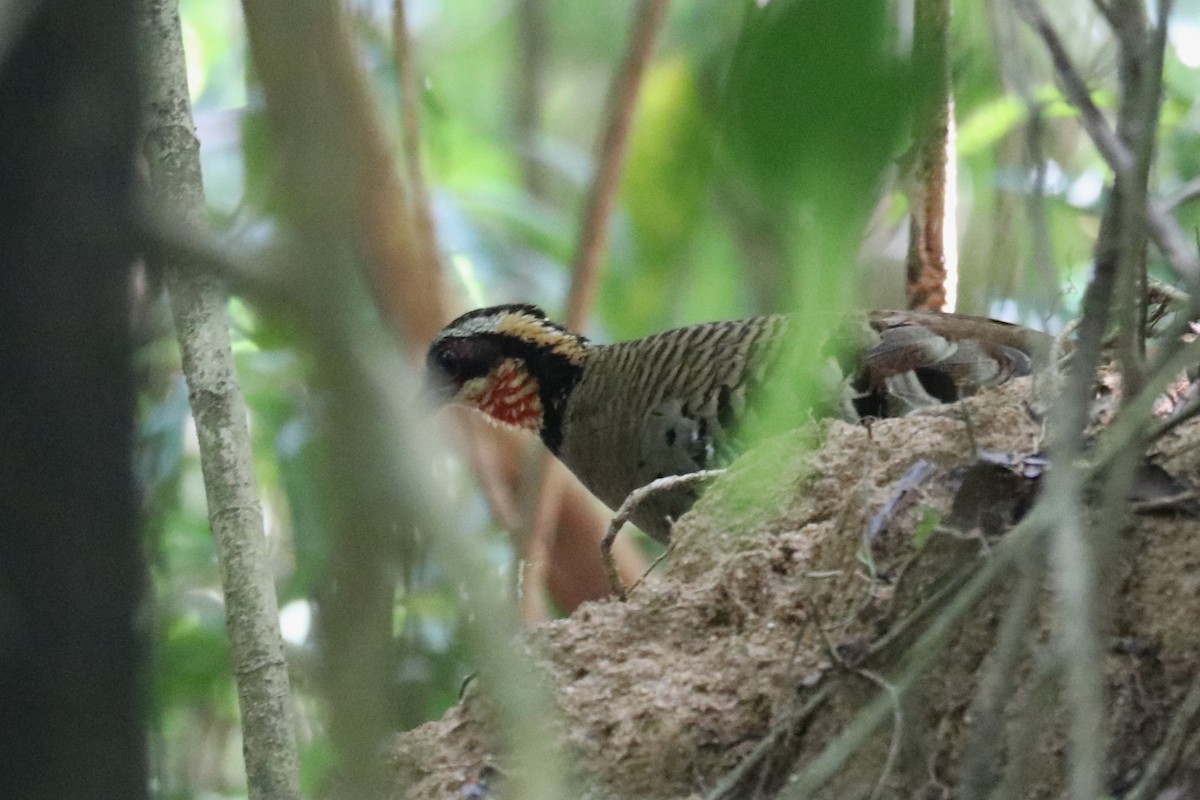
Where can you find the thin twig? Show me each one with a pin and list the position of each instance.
(1162, 227)
(622, 101)
(1171, 502)
(1103, 136)
(909, 623)
(1183, 724)
(1168, 292)
(806, 781)
(1043, 247)
(1141, 65)
(530, 92)
(636, 498)
(1076, 555)
(984, 738)
(1183, 195)
(419, 206)
(653, 564)
(1026, 740)
(1175, 420)
(727, 788)
(897, 729)
(1106, 11)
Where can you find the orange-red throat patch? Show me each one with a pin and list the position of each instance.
(508, 395)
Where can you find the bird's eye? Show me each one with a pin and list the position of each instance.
(447, 360)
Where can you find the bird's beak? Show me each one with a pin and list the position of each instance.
(436, 392)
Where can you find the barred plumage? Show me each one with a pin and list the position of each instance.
(621, 415)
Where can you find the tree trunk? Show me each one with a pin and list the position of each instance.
(71, 573)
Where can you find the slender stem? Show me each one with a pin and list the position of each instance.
(234, 511)
(419, 206)
(648, 22)
(1183, 195)
(807, 780)
(530, 92)
(635, 499)
(1162, 227)
(1180, 731)
(585, 269)
(931, 282)
(981, 767)
(1078, 556)
(341, 193)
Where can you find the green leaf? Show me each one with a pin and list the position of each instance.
(930, 520)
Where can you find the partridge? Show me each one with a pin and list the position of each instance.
(621, 415)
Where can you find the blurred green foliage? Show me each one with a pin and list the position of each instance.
(760, 178)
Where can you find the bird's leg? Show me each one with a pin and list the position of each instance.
(635, 498)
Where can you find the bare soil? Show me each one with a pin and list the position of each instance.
(793, 593)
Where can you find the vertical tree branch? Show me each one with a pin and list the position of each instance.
(389, 441)
(234, 510)
(1140, 59)
(585, 271)
(71, 571)
(340, 186)
(419, 209)
(932, 265)
(367, 204)
(980, 770)
(340, 190)
(1072, 555)
(622, 101)
(1042, 250)
(530, 90)
(1079, 555)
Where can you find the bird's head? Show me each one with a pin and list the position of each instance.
(511, 363)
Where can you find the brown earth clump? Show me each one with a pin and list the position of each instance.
(791, 599)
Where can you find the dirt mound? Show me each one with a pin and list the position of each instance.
(791, 601)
